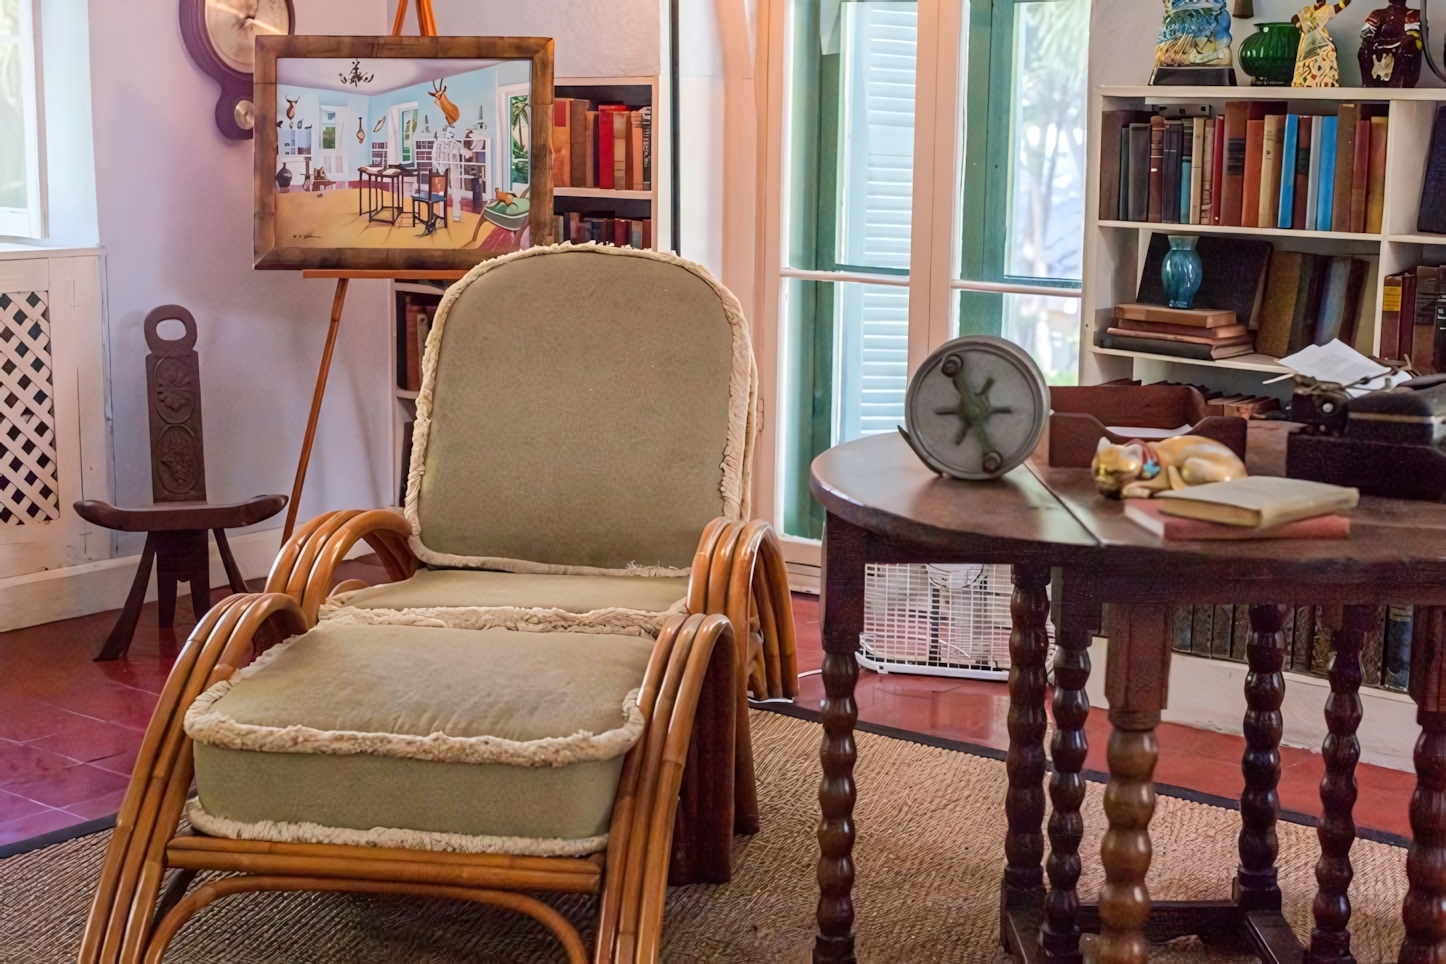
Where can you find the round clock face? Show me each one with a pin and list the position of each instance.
(976, 408)
(232, 26)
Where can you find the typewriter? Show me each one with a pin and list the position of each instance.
(1390, 442)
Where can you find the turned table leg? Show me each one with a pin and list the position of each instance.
(1079, 617)
(1424, 911)
(1255, 879)
(1329, 938)
(1137, 674)
(1023, 885)
(843, 620)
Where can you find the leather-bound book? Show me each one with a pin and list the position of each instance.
(1408, 314)
(1431, 216)
(1307, 302)
(1175, 349)
(1165, 328)
(1423, 328)
(1250, 189)
(1139, 201)
(1346, 120)
(1114, 161)
(1272, 154)
(1233, 189)
(1360, 174)
(1277, 310)
(1301, 195)
(1376, 177)
(1390, 316)
(1177, 317)
(1170, 173)
(1340, 300)
(577, 132)
(1157, 167)
(1217, 171)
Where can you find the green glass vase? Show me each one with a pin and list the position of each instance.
(1268, 55)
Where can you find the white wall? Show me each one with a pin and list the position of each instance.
(701, 142)
(1123, 32)
(594, 38)
(175, 210)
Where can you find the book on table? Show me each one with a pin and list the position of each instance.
(1149, 514)
(1258, 501)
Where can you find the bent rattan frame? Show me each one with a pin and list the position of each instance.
(693, 664)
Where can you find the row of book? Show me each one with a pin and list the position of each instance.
(609, 148)
(623, 232)
(1223, 632)
(1252, 165)
(1310, 299)
(413, 327)
(1182, 332)
(1413, 318)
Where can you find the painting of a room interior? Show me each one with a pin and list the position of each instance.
(396, 152)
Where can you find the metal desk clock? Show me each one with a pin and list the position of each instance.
(976, 408)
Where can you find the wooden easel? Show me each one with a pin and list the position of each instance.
(427, 27)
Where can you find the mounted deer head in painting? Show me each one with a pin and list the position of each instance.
(291, 108)
(449, 109)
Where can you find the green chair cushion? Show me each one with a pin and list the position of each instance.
(580, 409)
(435, 588)
(513, 738)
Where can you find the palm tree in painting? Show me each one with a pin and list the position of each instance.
(520, 122)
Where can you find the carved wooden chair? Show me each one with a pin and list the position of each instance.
(562, 622)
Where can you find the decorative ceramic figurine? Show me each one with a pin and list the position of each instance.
(1390, 52)
(1137, 470)
(1180, 271)
(1195, 33)
(1315, 61)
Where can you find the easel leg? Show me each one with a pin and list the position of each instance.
(316, 396)
(119, 639)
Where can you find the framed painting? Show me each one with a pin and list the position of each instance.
(401, 153)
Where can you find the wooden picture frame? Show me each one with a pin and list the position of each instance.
(271, 248)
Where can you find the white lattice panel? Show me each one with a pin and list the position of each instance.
(29, 490)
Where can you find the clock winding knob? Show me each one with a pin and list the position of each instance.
(245, 114)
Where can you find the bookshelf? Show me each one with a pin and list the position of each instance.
(596, 202)
(1114, 250)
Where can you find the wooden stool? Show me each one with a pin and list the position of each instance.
(176, 526)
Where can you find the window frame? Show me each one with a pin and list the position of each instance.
(944, 89)
(29, 222)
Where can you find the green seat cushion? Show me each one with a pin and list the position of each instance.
(451, 588)
(483, 733)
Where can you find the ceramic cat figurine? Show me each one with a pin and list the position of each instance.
(1137, 470)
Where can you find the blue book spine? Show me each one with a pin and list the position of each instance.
(1327, 173)
(1287, 171)
(1185, 191)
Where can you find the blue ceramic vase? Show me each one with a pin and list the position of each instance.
(1180, 271)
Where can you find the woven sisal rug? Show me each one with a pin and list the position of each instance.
(930, 822)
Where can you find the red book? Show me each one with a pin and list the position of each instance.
(1146, 513)
(1360, 174)
(1254, 161)
(604, 148)
(1217, 183)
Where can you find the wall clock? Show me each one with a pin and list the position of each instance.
(976, 408)
(221, 38)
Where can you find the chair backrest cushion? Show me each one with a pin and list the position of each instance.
(583, 410)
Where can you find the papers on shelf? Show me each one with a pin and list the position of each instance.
(1145, 434)
(1338, 362)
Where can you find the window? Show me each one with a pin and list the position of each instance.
(328, 128)
(859, 306)
(21, 188)
(409, 133)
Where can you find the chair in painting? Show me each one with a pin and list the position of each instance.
(580, 603)
(425, 201)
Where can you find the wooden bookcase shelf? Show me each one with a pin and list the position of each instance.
(603, 202)
(1114, 250)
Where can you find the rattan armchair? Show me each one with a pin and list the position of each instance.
(570, 543)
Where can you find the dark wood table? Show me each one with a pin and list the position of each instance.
(1118, 581)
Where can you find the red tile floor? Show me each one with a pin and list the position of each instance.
(70, 727)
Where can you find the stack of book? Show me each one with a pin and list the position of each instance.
(1191, 332)
(1258, 507)
(577, 227)
(610, 147)
(1413, 318)
(1310, 299)
(1252, 165)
